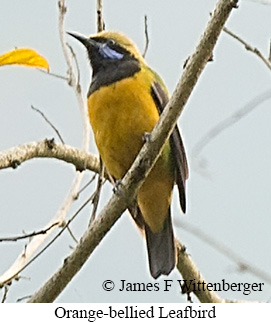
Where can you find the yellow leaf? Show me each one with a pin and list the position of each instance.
(24, 56)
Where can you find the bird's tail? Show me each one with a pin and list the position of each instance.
(161, 249)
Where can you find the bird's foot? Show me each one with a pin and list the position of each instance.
(116, 188)
(146, 137)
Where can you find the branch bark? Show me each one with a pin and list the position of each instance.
(189, 271)
(144, 161)
(49, 149)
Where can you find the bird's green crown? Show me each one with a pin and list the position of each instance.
(120, 40)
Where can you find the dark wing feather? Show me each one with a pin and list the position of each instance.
(160, 98)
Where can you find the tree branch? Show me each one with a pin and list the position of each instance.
(49, 122)
(241, 263)
(250, 48)
(100, 20)
(27, 235)
(189, 271)
(228, 122)
(49, 149)
(144, 161)
(147, 39)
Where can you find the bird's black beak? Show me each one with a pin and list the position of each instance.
(87, 42)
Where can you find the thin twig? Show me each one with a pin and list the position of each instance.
(71, 234)
(78, 86)
(147, 40)
(5, 294)
(62, 12)
(18, 300)
(15, 275)
(228, 122)
(97, 193)
(55, 75)
(21, 261)
(249, 47)
(73, 80)
(264, 2)
(87, 184)
(242, 264)
(100, 21)
(96, 198)
(29, 235)
(49, 122)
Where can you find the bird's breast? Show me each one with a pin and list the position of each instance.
(120, 114)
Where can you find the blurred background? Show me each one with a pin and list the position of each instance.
(228, 191)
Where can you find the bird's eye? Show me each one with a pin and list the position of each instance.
(110, 42)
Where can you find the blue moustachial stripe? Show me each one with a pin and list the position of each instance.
(108, 52)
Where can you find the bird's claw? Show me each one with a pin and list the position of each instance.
(146, 137)
(116, 188)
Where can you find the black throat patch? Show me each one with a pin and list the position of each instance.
(112, 71)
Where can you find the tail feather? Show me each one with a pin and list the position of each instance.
(161, 249)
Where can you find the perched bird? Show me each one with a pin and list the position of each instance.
(125, 99)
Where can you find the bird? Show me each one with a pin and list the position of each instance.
(125, 99)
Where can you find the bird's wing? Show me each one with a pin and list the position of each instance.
(160, 97)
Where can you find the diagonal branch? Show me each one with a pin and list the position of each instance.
(190, 272)
(49, 122)
(248, 47)
(144, 161)
(228, 122)
(240, 262)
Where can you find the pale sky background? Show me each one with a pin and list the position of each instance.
(230, 201)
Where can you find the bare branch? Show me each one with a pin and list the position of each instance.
(189, 271)
(12, 273)
(249, 47)
(100, 21)
(72, 235)
(49, 122)
(88, 183)
(97, 191)
(228, 122)
(147, 40)
(144, 161)
(73, 81)
(54, 75)
(49, 149)
(5, 294)
(62, 11)
(77, 78)
(242, 264)
(22, 260)
(263, 2)
(20, 299)
(29, 235)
